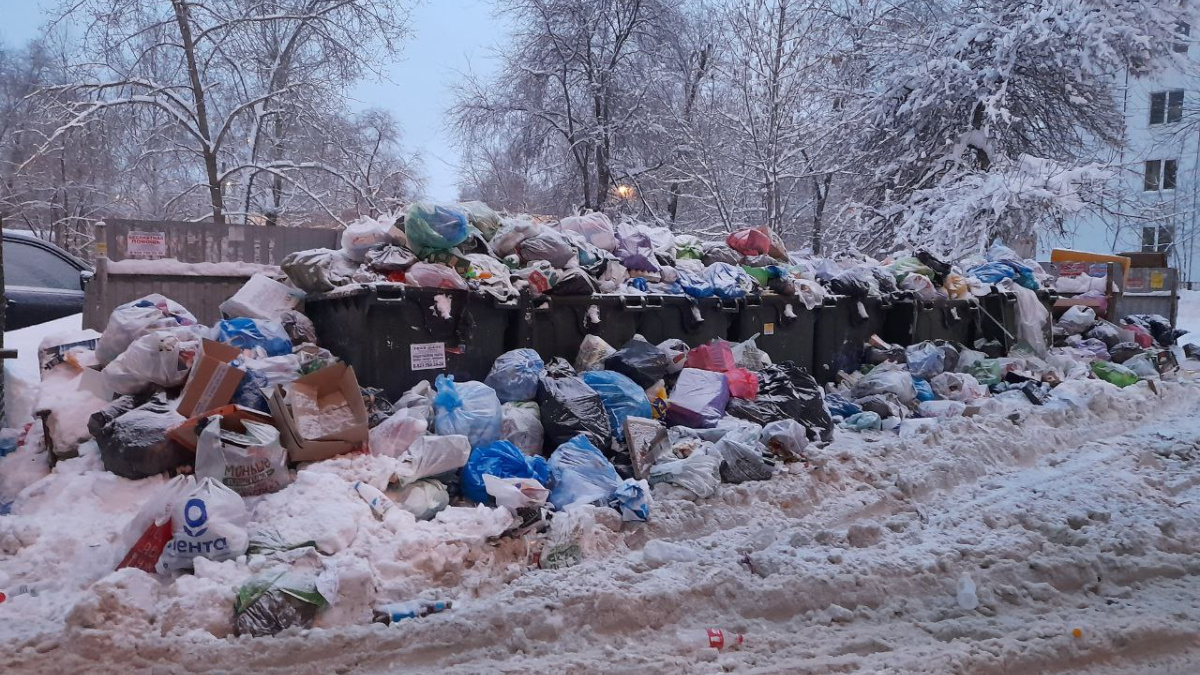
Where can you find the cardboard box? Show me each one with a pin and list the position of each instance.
(212, 381)
(185, 434)
(333, 392)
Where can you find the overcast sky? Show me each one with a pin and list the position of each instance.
(449, 36)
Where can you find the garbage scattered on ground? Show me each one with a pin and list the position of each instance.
(235, 412)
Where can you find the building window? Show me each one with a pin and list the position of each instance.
(1184, 30)
(1160, 174)
(1156, 238)
(1166, 107)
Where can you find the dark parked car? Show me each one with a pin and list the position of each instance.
(42, 282)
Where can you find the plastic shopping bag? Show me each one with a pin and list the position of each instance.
(134, 319)
(515, 375)
(468, 409)
(246, 457)
(209, 521)
(502, 460)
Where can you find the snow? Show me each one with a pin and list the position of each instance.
(1078, 515)
(171, 266)
(22, 375)
(1188, 317)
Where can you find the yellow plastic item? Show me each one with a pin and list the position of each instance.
(957, 287)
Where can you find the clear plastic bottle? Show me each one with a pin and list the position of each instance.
(708, 638)
(23, 589)
(967, 599)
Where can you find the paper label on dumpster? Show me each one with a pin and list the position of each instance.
(146, 245)
(1157, 280)
(768, 329)
(428, 356)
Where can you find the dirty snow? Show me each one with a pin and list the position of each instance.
(1077, 522)
(174, 267)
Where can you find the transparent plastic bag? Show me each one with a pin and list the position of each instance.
(522, 426)
(434, 226)
(132, 320)
(160, 359)
(786, 439)
(515, 493)
(430, 456)
(676, 351)
(592, 353)
(887, 379)
(430, 275)
(925, 360)
(515, 374)
(743, 383)
(729, 282)
(363, 234)
(468, 409)
(581, 474)
(594, 227)
(716, 356)
(482, 218)
(700, 474)
(393, 436)
(621, 396)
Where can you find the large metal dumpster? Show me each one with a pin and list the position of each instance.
(556, 325)
(395, 336)
(785, 328)
(843, 327)
(695, 321)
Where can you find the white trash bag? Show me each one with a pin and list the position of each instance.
(162, 358)
(250, 461)
(132, 320)
(208, 521)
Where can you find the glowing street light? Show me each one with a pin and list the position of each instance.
(625, 191)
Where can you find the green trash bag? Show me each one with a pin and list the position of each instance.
(428, 225)
(1115, 373)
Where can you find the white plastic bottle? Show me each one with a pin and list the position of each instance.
(708, 638)
(966, 593)
(379, 502)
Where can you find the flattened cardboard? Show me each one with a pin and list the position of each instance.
(329, 380)
(212, 381)
(185, 434)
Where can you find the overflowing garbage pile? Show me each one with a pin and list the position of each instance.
(232, 410)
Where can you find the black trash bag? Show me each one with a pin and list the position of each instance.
(884, 405)
(853, 283)
(560, 367)
(1191, 351)
(762, 411)
(875, 356)
(379, 408)
(1123, 351)
(574, 282)
(884, 279)
(796, 392)
(940, 268)
(742, 462)
(640, 361)
(133, 443)
(569, 408)
(266, 606)
(298, 327)
(386, 258)
(1036, 392)
(1105, 332)
(993, 349)
(1158, 326)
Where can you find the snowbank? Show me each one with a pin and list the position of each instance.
(1076, 515)
(171, 266)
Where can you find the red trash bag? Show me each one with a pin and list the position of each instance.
(749, 242)
(743, 384)
(716, 356)
(1142, 336)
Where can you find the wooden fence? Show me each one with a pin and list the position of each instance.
(198, 285)
(209, 242)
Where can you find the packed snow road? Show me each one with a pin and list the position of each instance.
(1077, 522)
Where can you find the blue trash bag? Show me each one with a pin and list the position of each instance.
(839, 406)
(621, 396)
(729, 282)
(632, 499)
(515, 375)
(251, 333)
(433, 226)
(926, 360)
(580, 474)
(924, 389)
(695, 284)
(639, 283)
(502, 460)
(991, 273)
(468, 409)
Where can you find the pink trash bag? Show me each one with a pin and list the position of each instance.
(716, 356)
(743, 384)
(749, 242)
